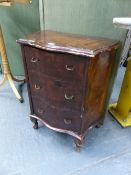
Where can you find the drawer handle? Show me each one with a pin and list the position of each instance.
(67, 97)
(40, 111)
(37, 87)
(70, 67)
(67, 121)
(34, 60)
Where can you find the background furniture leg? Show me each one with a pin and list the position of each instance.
(6, 70)
(0, 69)
(121, 110)
(3, 81)
(17, 80)
(14, 88)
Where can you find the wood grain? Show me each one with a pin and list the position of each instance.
(69, 43)
(67, 91)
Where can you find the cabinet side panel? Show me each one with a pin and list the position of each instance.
(99, 78)
(27, 77)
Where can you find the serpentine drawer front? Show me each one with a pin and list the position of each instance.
(68, 78)
(61, 66)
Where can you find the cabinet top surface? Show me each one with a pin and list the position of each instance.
(69, 43)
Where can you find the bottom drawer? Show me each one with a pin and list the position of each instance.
(57, 117)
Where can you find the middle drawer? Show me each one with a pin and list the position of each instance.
(58, 93)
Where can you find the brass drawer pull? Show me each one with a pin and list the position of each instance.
(67, 121)
(67, 97)
(40, 111)
(34, 60)
(37, 87)
(70, 67)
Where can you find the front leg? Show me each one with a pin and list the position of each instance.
(35, 122)
(100, 123)
(78, 143)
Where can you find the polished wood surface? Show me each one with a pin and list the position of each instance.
(69, 43)
(67, 91)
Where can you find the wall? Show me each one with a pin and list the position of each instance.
(18, 21)
(87, 17)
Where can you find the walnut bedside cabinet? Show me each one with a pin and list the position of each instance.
(68, 78)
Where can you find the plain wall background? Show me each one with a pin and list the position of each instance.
(86, 17)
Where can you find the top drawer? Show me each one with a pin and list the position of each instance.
(62, 66)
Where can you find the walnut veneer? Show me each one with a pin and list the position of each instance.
(68, 79)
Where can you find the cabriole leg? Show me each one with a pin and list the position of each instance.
(79, 143)
(35, 123)
(101, 122)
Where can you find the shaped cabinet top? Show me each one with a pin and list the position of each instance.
(69, 43)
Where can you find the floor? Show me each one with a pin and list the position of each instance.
(25, 151)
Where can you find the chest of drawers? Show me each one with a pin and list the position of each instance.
(68, 78)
